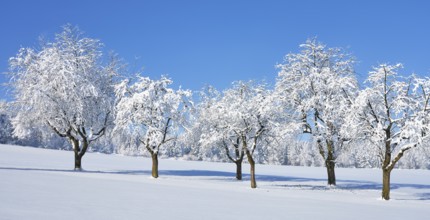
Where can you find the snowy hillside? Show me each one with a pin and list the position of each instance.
(40, 184)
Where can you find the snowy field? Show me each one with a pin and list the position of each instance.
(40, 184)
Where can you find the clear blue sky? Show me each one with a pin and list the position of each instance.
(219, 41)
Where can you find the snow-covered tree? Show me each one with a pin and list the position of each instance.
(65, 87)
(316, 85)
(240, 121)
(35, 137)
(151, 113)
(212, 118)
(302, 153)
(359, 154)
(6, 128)
(393, 114)
(191, 138)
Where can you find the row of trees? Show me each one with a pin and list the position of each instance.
(69, 89)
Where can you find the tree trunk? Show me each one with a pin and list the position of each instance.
(330, 164)
(238, 169)
(78, 156)
(253, 181)
(78, 160)
(238, 159)
(386, 173)
(331, 180)
(386, 169)
(252, 164)
(154, 165)
(78, 151)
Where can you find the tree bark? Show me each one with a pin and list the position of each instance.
(76, 150)
(238, 169)
(78, 163)
(252, 164)
(330, 164)
(238, 159)
(329, 161)
(386, 169)
(154, 165)
(386, 173)
(331, 180)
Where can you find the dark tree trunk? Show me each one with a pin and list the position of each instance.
(253, 181)
(329, 161)
(330, 165)
(154, 156)
(78, 155)
(75, 140)
(252, 164)
(238, 169)
(238, 159)
(154, 165)
(78, 160)
(386, 169)
(386, 173)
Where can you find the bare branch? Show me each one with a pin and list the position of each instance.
(58, 132)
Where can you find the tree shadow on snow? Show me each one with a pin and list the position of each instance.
(355, 185)
(36, 169)
(422, 196)
(416, 197)
(190, 173)
(72, 171)
(278, 181)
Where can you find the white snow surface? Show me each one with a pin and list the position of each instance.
(41, 184)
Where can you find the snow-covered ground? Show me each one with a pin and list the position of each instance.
(40, 184)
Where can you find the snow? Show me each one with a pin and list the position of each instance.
(41, 184)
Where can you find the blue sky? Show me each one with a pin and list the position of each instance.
(219, 41)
